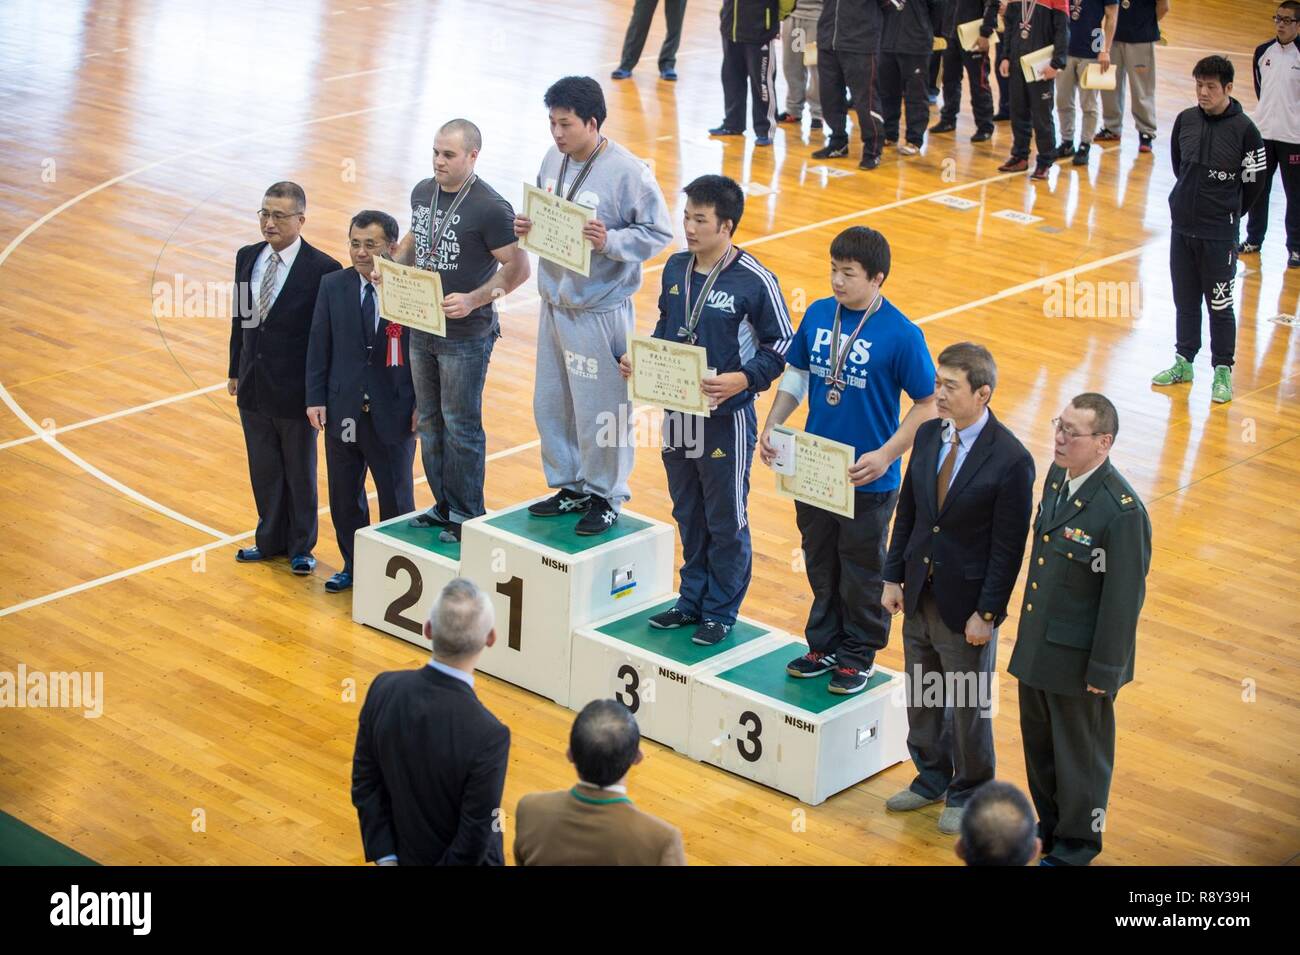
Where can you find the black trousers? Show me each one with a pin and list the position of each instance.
(949, 705)
(282, 469)
(857, 72)
(932, 82)
(843, 559)
(1285, 156)
(748, 67)
(1004, 83)
(1069, 758)
(976, 67)
(638, 28)
(1033, 113)
(903, 82)
(1203, 270)
(389, 464)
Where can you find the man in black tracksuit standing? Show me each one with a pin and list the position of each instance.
(1219, 160)
(907, 41)
(748, 29)
(975, 63)
(1032, 25)
(848, 46)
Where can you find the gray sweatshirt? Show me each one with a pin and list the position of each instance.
(623, 191)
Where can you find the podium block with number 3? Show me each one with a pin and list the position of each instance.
(545, 580)
(397, 574)
(757, 721)
(653, 672)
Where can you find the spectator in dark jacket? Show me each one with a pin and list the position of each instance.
(1032, 100)
(848, 47)
(1219, 159)
(748, 29)
(975, 64)
(906, 44)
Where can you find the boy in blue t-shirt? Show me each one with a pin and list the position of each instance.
(881, 354)
(719, 297)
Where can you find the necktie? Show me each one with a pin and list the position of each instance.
(264, 294)
(1063, 497)
(946, 469)
(368, 311)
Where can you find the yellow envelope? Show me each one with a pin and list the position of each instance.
(810, 54)
(1034, 63)
(1095, 79)
(969, 32)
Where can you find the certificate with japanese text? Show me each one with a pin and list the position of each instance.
(411, 297)
(819, 472)
(556, 235)
(1095, 79)
(668, 374)
(1034, 64)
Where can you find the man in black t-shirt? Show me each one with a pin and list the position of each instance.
(479, 260)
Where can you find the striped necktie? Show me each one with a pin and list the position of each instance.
(946, 469)
(264, 294)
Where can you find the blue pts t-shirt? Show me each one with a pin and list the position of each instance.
(889, 357)
(1087, 36)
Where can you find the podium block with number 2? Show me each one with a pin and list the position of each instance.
(545, 581)
(397, 574)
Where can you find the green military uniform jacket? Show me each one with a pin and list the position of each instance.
(1087, 579)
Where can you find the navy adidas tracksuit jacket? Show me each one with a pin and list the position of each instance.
(744, 327)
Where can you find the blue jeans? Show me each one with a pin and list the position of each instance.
(449, 374)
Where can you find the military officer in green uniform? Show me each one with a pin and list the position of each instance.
(1078, 629)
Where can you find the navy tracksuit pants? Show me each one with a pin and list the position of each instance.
(708, 480)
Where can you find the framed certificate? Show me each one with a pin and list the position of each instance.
(668, 374)
(556, 235)
(411, 297)
(815, 470)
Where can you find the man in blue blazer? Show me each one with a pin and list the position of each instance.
(959, 538)
(277, 280)
(359, 391)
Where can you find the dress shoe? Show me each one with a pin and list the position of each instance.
(303, 564)
(620, 74)
(250, 555)
(339, 582)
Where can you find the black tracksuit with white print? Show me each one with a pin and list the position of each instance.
(1219, 161)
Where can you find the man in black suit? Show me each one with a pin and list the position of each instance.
(959, 537)
(430, 762)
(359, 391)
(276, 281)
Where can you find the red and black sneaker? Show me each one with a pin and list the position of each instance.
(811, 664)
(848, 680)
(784, 117)
(1105, 135)
(1014, 164)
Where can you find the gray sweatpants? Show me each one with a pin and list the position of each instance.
(1068, 81)
(1136, 63)
(580, 401)
(800, 80)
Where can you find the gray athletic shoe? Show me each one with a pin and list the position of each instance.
(907, 800)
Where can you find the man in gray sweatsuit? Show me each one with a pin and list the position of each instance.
(583, 416)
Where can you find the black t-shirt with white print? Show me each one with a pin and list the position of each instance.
(484, 222)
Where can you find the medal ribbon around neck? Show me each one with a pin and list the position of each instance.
(582, 176)
(838, 356)
(693, 314)
(1027, 8)
(436, 239)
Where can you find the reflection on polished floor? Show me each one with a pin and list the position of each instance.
(137, 139)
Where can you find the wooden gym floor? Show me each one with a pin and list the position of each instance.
(137, 139)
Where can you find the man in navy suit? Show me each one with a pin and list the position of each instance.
(277, 280)
(359, 391)
(959, 538)
(430, 760)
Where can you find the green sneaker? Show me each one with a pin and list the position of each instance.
(1179, 373)
(1221, 390)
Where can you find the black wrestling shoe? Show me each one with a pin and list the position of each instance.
(710, 632)
(600, 517)
(848, 680)
(811, 664)
(672, 619)
(563, 501)
(831, 152)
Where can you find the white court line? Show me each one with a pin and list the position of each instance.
(378, 69)
(95, 472)
(116, 414)
(506, 452)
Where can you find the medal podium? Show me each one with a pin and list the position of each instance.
(654, 672)
(757, 721)
(545, 581)
(397, 574)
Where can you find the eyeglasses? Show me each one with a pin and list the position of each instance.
(1071, 435)
(1284, 20)
(264, 214)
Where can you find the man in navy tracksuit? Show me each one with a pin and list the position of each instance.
(848, 48)
(975, 63)
(1219, 159)
(748, 29)
(717, 296)
(908, 39)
